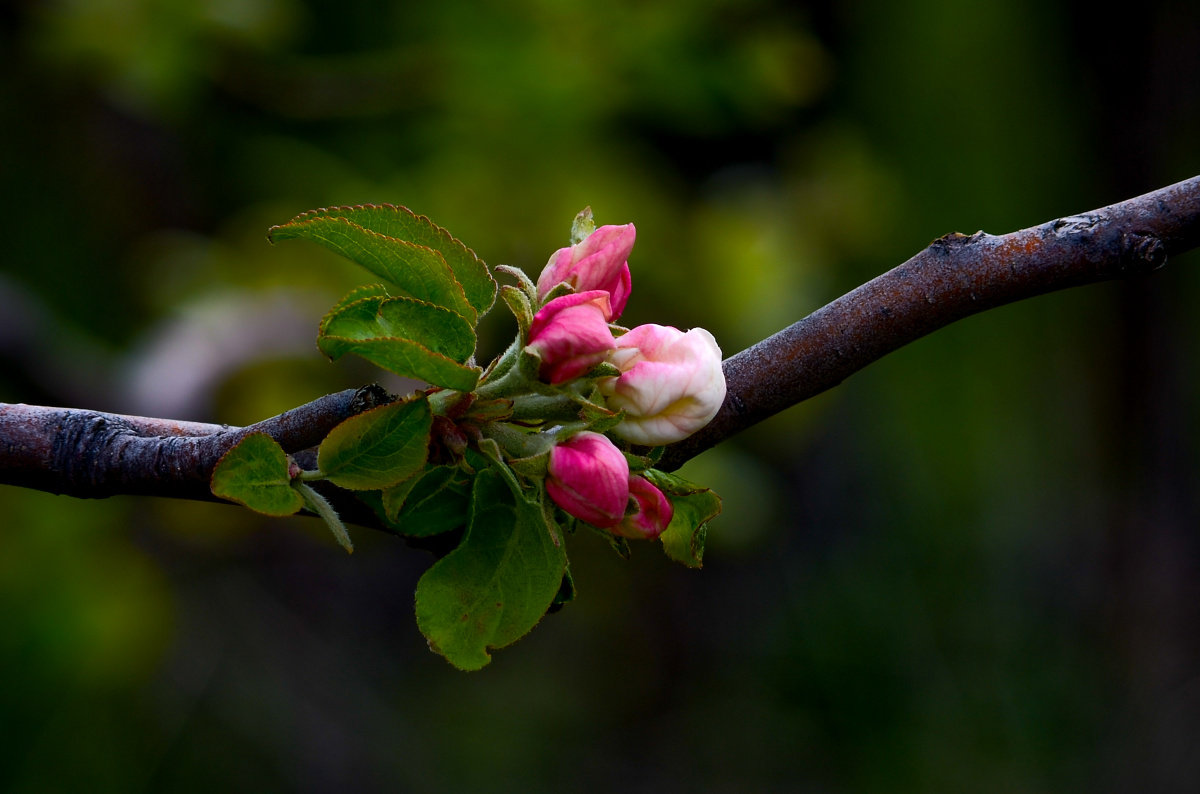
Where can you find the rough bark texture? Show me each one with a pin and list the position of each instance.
(92, 454)
(955, 277)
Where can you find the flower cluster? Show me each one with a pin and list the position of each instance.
(666, 383)
(562, 430)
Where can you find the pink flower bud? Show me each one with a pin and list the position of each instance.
(598, 262)
(671, 383)
(653, 514)
(589, 478)
(571, 335)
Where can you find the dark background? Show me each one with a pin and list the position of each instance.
(972, 567)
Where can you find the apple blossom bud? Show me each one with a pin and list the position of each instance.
(598, 262)
(653, 512)
(671, 383)
(570, 334)
(589, 478)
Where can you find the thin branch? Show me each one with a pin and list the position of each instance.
(92, 454)
(955, 277)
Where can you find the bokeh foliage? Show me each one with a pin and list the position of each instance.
(971, 567)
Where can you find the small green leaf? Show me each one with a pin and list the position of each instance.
(492, 589)
(604, 369)
(255, 473)
(695, 506)
(639, 463)
(523, 281)
(317, 503)
(583, 226)
(378, 448)
(414, 232)
(683, 540)
(655, 455)
(557, 291)
(532, 467)
(528, 365)
(411, 338)
(599, 418)
(436, 502)
(518, 303)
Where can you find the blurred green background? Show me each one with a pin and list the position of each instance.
(972, 567)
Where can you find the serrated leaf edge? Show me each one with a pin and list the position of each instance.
(342, 306)
(440, 231)
(466, 303)
(458, 365)
(488, 649)
(333, 212)
(333, 477)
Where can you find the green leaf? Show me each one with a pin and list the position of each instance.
(378, 448)
(695, 506)
(639, 463)
(418, 255)
(392, 498)
(518, 303)
(436, 502)
(583, 226)
(317, 503)
(532, 467)
(599, 418)
(378, 316)
(414, 269)
(411, 338)
(355, 295)
(492, 589)
(523, 281)
(255, 473)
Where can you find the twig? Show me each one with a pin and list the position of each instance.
(955, 277)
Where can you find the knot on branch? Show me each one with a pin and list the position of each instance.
(1142, 252)
(369, 397)
(948, 242)
(1077, 224)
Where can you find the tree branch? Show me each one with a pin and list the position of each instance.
(92, 454)
(955, 277)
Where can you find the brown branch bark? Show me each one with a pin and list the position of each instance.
(955, 277)
(91, 454)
